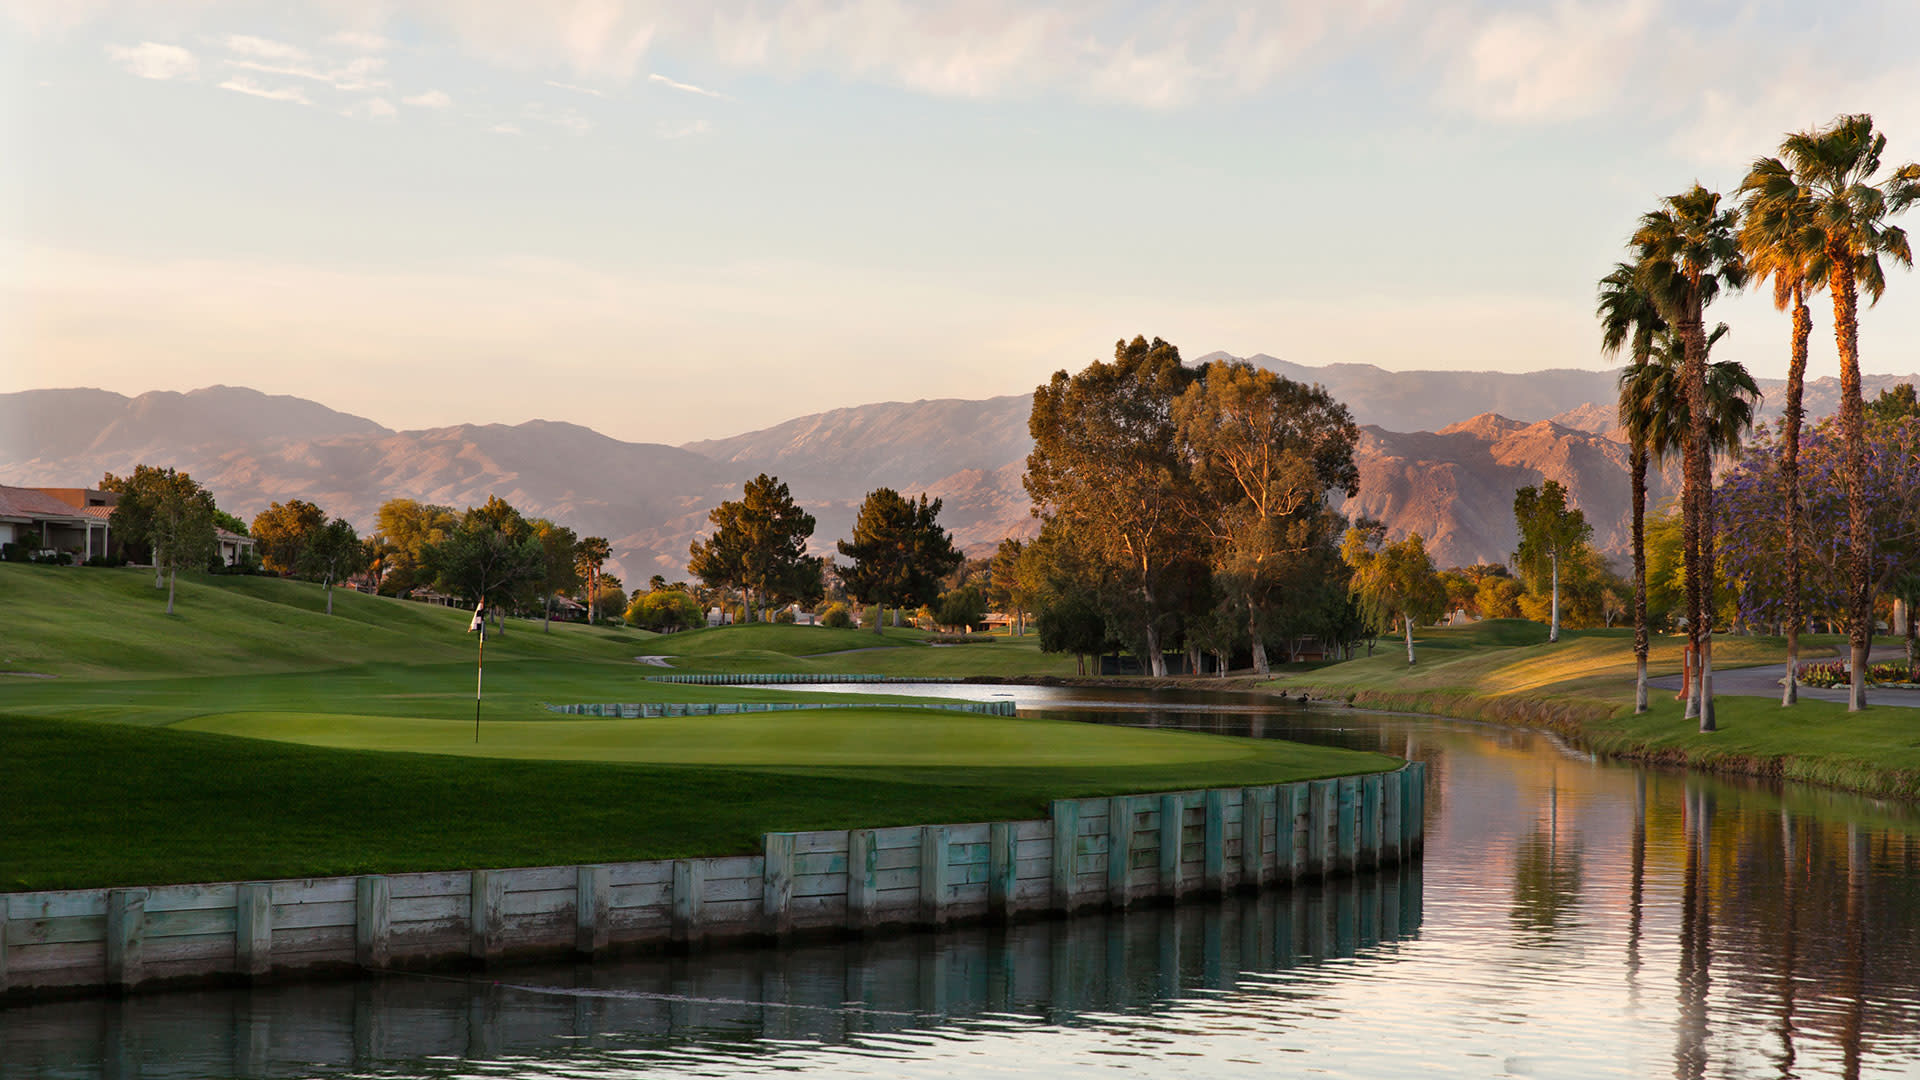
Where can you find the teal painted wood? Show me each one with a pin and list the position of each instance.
(862, 852)
(934, 843)
(1256, 817)
(487, 907)
(1347, 835)
(1173, 814)
(592, 902)
(1370, 787)
(126, 934)
(1289, 835)
(1391, 792)
(1322, 838)
(689, 898)
(1119, 843)
(1213, 857)
(776, 882)
(1003, 868)
(372, 922)
(1066, 829)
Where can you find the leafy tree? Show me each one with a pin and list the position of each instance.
(330, 553)
(759, 544)
(409, 530)
(229, 522)
(1393, 582)
(1106, 461)
(559, 562)
(591, 554)
(1834, 169)
(1551, 533)
(1689, 253)
(166, 510)
(1628, 316)
(283, 531)
(1498, 597)
(491, 551)
(964, 607)
(666, 610)
(1894, 405)
(1007, 588)
(899, 551)
(1784, 245)
(1263, 452)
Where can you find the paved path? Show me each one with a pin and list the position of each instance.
(1764, 681)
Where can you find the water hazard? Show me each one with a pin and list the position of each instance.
(1570, 918)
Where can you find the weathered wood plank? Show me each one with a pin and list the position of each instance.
(1214, 843)
(189, 897)
(81, 903)
(819, 862)
(438, 883)
(427, 908)
(189, 922)
(1347, 836)
(689, 899)
(253, 928)
(1002, 869)
(592, 900)
(973, 832)
(776, 882)
(126, 926)
(1066, 826)
(487, 897)
(933, 874)
(831, 842)
(541, 901)
(862, 865)
(373, 926)
(649, 894)
(1120, 825)
(1171, 817)
(314, 891)
(56, 931)
(537, 878)
(819, 885)
(656, 872)
(62, 963)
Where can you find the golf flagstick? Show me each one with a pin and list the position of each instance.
(479, 626)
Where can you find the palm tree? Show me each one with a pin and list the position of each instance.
(1627, 314)
(1688, 253)
(1784, 245)
(1833, 169)
(591, 554)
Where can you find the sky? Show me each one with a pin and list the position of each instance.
(674, 221)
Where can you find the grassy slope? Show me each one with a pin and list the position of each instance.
(167, 792)
(1583, 687)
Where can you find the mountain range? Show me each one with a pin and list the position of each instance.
(1440, 453)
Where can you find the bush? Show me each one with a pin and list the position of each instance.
(12, 553)
(837, 616)
(784, 615)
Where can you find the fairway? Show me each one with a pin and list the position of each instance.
(850, 737)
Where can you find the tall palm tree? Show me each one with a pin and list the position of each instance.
(1784, 245)
(1628, 315)
(1833, 168)
(1688, 253)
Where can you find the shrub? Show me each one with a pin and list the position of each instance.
(784, 615)
(837, 616)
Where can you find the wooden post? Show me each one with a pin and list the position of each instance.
(1066, 836)
(126, 930)
(934, 851)
(3, 943)
(862, 853)
(1173, 815)
(1370, 786)
(1415, 805)
(1290, 834)
(1214, 844)
(253, 928)
(372, 921)
(776, 882)
(1391, 792)
(592, 904)
(1348, 834)
(1255, 813)
(1321, 823)
(487, 906)
(1119, 849)
(1003, 869)
(689, 895)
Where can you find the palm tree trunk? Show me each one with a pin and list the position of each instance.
(1846, 328)
(1699, 510)
(1790, 479)
(1640, 576)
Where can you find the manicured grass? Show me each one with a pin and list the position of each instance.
(251, 736)
(1504, 671)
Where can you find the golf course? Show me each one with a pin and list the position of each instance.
(251, 735)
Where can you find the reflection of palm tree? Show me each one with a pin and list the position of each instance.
(1790, 942)
(1639, 887)
(1690, 1055)
(1546, 885)
(1627, 314)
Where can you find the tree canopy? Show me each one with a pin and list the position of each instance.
(1553, 534)
(759, 545)
(898, 550)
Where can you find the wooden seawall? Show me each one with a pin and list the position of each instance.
(1105, 852)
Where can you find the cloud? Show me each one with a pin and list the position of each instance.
(431, 99)
(241, 84)
(506, 129)
(152, 60)
(576, 89)
(262, 48)
(374, 108)
(681, 131)
(687, 88)
(566, 120)
(361, 73)
(361, 40)
(1570, 60)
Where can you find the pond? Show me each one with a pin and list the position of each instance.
(1571, 917)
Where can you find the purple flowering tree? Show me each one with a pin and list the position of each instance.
(1752, 527)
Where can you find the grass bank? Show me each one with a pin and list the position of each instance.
(252, 736)
(1582, 687)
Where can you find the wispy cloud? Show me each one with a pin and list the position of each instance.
(566, 120)
(431, 99)
(374, 108)
(686, 88)
(576, 89)
(362, 40)
(262, 48)
(361, 73)
(682, 131)
(152, 60)
(241, 84)
(1568, 60)
(506, 129)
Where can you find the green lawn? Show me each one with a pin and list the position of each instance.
(252, 736)
(1503, 670)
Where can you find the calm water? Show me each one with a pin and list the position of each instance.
(1570, 919)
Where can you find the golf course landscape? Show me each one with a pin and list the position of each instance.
(251, 736)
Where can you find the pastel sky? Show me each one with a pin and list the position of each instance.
(670, 220)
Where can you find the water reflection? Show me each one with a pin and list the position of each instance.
(876, 997)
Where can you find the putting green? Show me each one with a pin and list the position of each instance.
(855, 737)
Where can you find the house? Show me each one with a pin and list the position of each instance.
(56, 519)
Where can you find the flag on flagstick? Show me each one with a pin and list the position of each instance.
(478, 625)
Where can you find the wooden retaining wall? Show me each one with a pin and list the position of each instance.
(648, 709)
(1108, 852)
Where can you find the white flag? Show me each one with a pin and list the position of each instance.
(479, 623)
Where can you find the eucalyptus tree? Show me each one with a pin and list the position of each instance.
(1105, 462)
(1551, 533)
(1688, 253)
(1834, 170)
(1784, 245)
(1629, 318)
(1393, 582)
